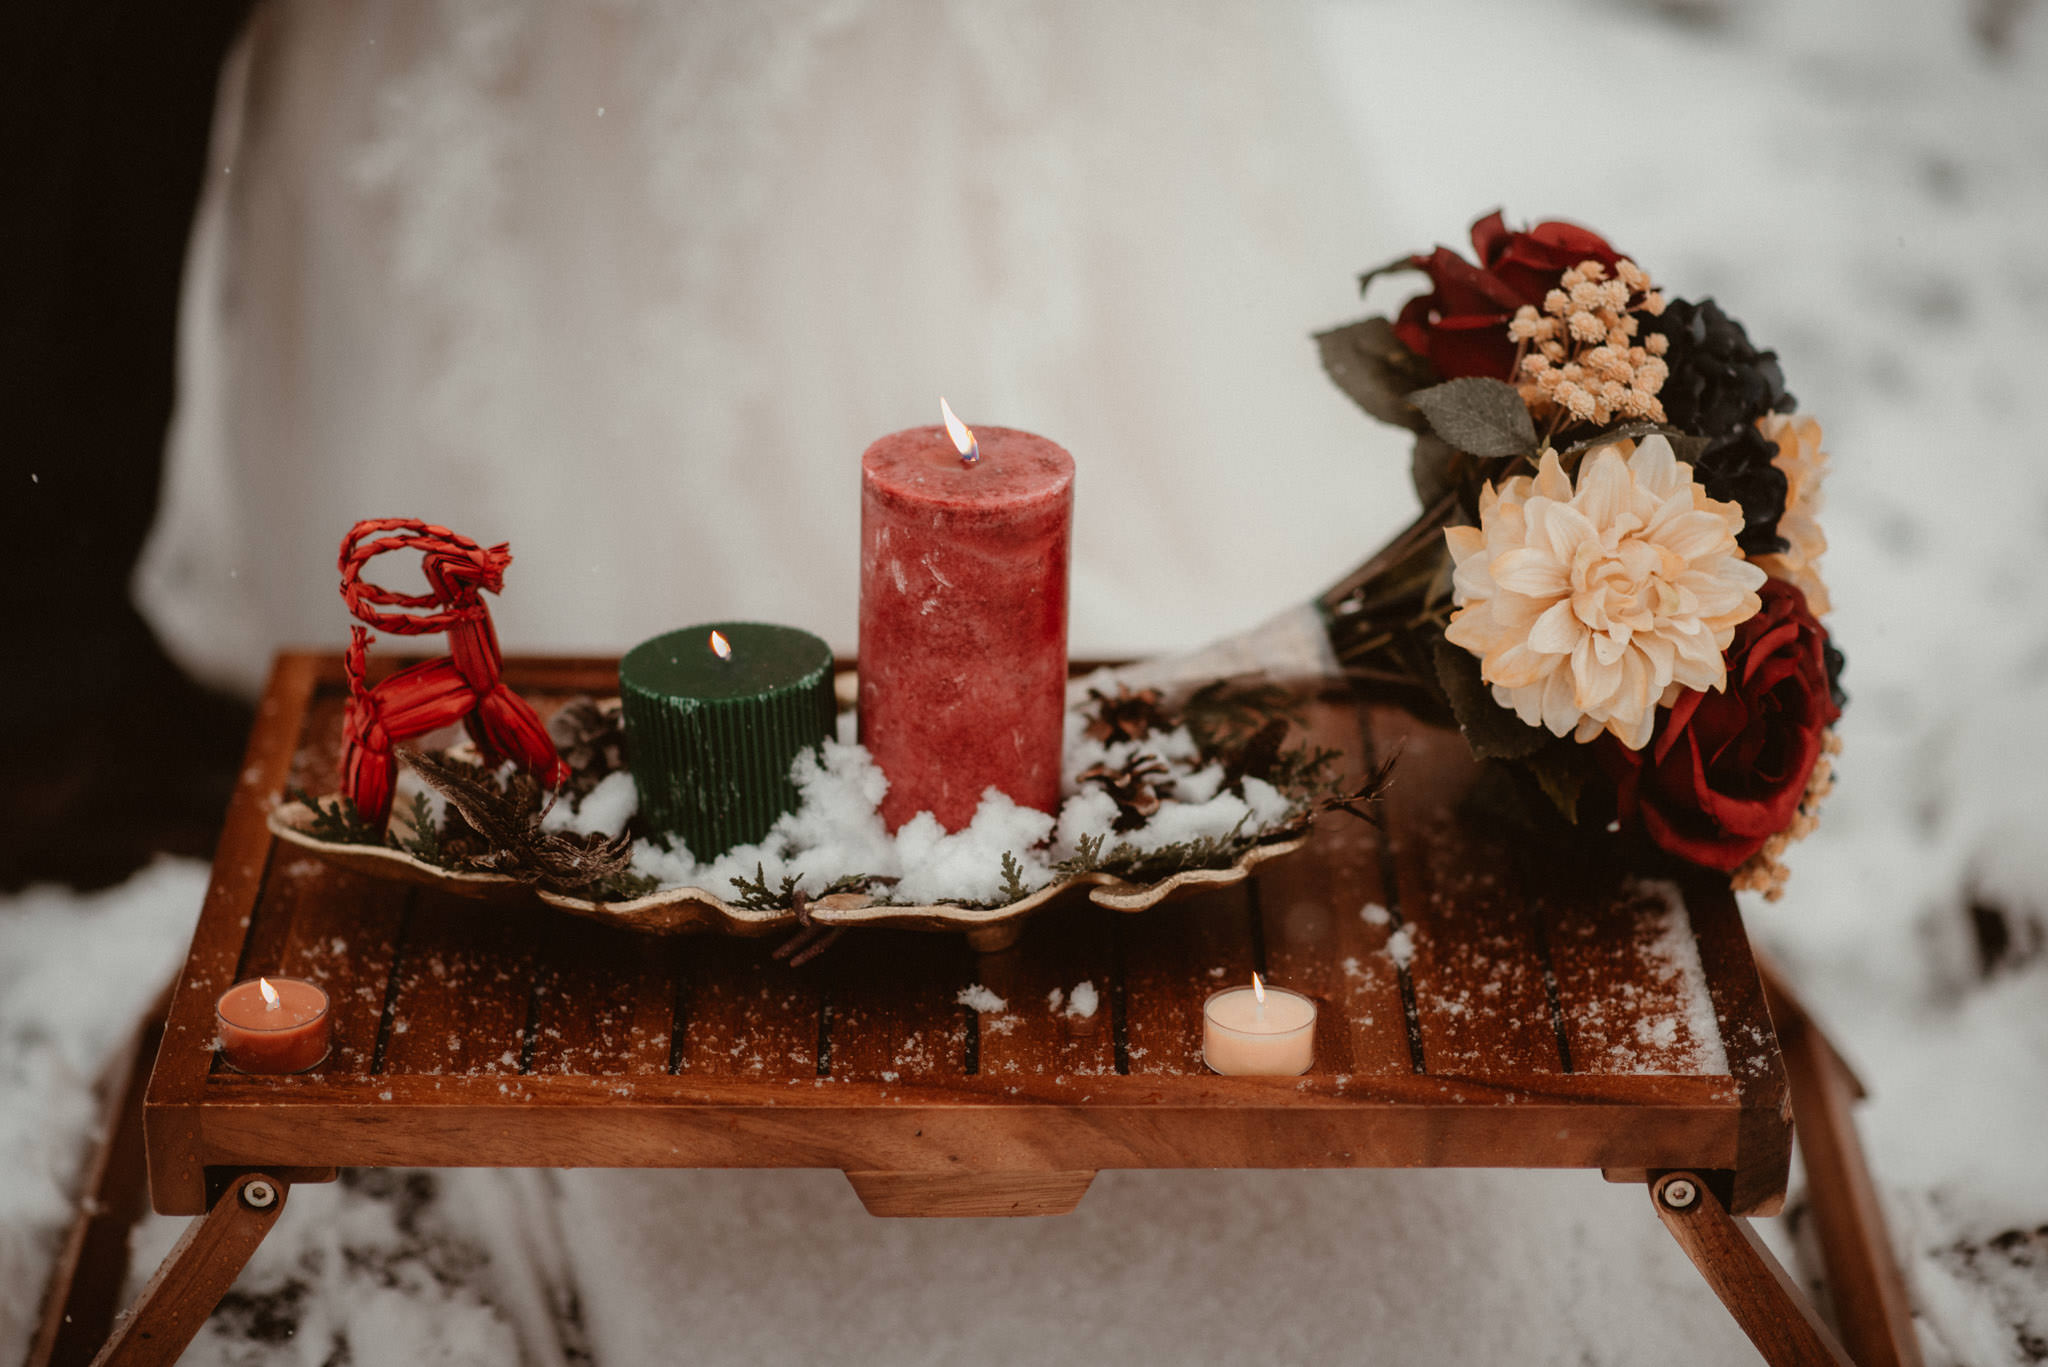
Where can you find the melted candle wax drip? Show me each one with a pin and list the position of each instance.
(962, 434)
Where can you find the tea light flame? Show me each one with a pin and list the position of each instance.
(721, 647)
(961, 433)
(270, 997)
(1258, 989)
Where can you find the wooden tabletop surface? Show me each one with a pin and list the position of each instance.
(1479, 1007)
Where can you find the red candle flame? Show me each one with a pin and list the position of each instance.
(962, 434)
(270, 997)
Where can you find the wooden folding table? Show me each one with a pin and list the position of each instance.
(1480, 1007)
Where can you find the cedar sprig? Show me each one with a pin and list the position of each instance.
(337, 821)
(1013, 879)
(424, 843)
(1134, 865)
(755, 894)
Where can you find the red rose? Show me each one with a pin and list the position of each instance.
(1462, 325)
(1726, 771)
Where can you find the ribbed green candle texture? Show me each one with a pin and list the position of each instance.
(711, 741)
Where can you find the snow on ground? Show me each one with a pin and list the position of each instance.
(75, 973)
(1862, 185)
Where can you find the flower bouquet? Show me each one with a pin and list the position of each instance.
(1614, 587)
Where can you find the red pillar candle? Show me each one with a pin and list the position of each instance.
(285, 1029)
(963, 617)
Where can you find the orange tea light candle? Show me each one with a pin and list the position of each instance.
(1259, 1031)
(274, 1025)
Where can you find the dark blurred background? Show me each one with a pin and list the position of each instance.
(110, 751)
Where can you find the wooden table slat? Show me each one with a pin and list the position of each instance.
(340, 931)
(604, 1005)
(316, 759)
(893, 1008)
(1028, 1043)
(1476, 957)
(464, 997)
(1325, 924)
(1168, 961)
(1628, 975)
(742, 1014)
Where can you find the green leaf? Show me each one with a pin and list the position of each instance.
(1683, 444)
(1562, 769)
(1687, 447)
(1437, 467)
(1480, 416)
(1368, 362)
(1491, 730)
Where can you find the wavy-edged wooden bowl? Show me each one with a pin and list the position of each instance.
(676, 911)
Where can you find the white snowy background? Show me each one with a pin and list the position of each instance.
(1864, 183)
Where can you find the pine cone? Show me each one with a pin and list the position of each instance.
(1127, 716)
(1134, 787)
(590, 736)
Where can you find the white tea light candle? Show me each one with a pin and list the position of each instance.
(1259, 1031)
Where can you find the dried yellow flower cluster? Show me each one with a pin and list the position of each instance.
(1765, 871)
(1577, 357)
(1805, 465)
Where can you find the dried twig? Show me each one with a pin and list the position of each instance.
(1365, 801)
(510, 823)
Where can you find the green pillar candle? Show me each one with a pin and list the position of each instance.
(711, 738)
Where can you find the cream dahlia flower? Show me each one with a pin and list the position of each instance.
(1805, 465)
(1589, 607)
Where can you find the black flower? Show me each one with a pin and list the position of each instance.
(1736, 468)
(1719, 385)
(1718, 381)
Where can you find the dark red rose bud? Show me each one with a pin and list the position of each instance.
(1725, 771)
(1461, 326)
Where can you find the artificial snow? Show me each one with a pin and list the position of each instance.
(1082, 1001)
(837, 830)
(604, 810)
(1401, 946)
(975, 997)
(1677, 955)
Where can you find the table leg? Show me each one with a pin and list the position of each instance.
(1863, 1277)
(196, 1275)
(85, 1281)
(1750, 1281)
